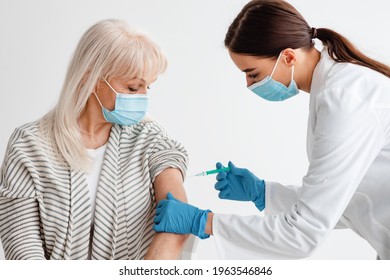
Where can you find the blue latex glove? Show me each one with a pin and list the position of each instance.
(240, 184)
(175, 216)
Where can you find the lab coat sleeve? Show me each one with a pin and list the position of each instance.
(279, 197)
(19, 213)
(348, 136)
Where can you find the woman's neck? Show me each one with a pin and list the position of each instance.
(306, 66)
(94, 129)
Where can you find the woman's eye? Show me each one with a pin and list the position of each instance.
(252, 76)
(133, 89)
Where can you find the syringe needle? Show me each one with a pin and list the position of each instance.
(209, 172)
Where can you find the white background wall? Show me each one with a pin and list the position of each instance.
(201, 98)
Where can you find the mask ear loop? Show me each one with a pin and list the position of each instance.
(98, 99)
(292, 73)
(110, 86)
(276, 64)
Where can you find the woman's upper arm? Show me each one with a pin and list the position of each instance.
(168, 166)
(169, 180)
(167, 245)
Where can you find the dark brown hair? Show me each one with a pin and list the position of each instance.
(266, 27)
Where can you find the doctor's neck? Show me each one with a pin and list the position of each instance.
(304, 68)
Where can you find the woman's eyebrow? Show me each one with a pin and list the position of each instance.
(248, 70)
(135, 79)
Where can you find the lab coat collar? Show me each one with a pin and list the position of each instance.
(321, 72)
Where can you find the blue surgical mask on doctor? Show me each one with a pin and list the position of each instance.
(272, 90)
(129, 108)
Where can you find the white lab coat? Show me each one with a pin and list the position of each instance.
(348, 180)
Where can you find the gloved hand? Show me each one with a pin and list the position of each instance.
(240, 184)
(175, 216)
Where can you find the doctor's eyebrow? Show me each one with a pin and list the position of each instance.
(248, 70)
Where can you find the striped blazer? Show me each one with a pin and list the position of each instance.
(45, 210)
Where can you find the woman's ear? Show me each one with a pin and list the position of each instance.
(289, 57)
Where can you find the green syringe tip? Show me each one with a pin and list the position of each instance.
(225, 169)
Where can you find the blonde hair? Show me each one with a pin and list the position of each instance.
(110, 48)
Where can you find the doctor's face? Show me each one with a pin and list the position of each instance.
(257, 68)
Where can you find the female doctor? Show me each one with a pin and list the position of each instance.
(348, 180)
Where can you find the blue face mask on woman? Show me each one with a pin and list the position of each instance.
(272, 90)
(129, 108)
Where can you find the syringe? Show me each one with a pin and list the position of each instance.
(209, 172)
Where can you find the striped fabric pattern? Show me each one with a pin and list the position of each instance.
(45, 210)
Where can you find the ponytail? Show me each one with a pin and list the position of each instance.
(340, 49)
(266, 27)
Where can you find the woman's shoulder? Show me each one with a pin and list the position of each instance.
(149, 127)
(24, 133)
(153, 125)
(345, 75)
(350, 75)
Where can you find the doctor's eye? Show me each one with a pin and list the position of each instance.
(252, 76)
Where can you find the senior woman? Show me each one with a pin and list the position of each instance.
(83, 181)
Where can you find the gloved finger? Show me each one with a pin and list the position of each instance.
(171, 197)
(224, 194)
(234, 170)
(219, 165)
(159, 214)
(158, 228)
(161, 207)
(220, 185)
(160, 204)
(157, 219)
(221, 176)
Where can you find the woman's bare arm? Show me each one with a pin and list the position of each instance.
(167, 245)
